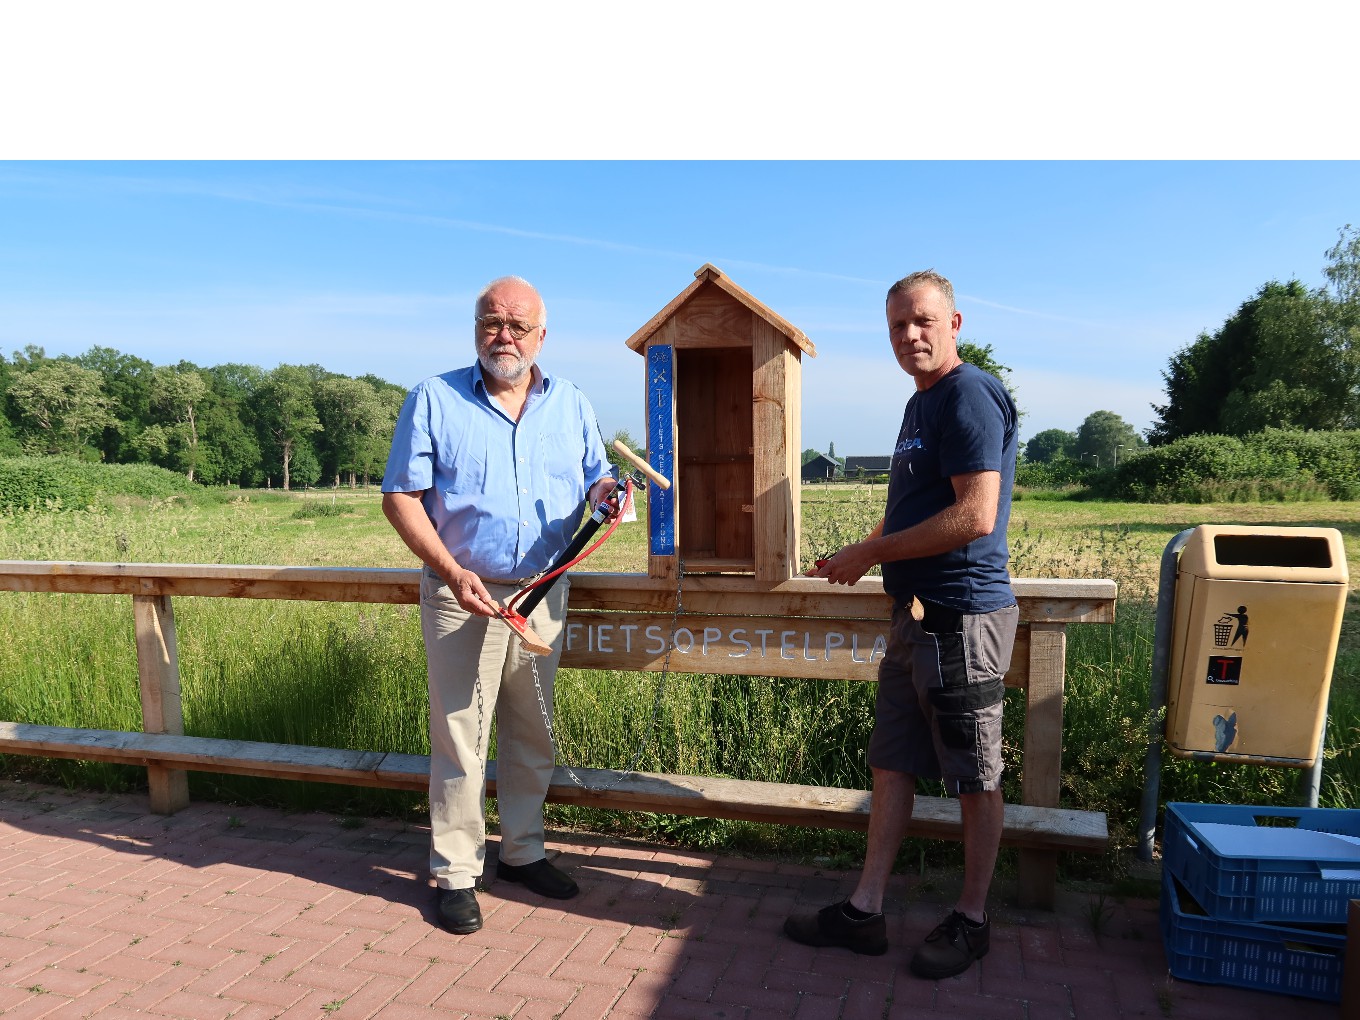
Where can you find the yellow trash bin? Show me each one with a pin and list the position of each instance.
(1257, 617)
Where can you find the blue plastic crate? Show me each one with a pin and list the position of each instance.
(1267, 957)
(1265, 863)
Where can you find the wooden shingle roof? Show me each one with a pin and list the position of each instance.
(709, 275)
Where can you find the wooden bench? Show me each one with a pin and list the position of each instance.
(730, 625)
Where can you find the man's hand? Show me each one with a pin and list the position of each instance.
(471, 594)
(846, 566)
(601, 492)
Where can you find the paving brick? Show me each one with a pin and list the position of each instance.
(747, 993)
(536, 926)
(376, 962)
(39, 1006)
(1027, 990)
(866, 1000)
(806, 983)
(99, 899)
(102, 996)
(488, 970)
(65, 981)
(365, 1001)
(314, 1004)
(405, 1011)
(544, 958)
(280, 994)
(643, 993)
(477, 1000)
(983, 1007)
(818, 1007)
(335, 979)
(592, 1002)
(530, 986)
(606, 976)
(195, 1007)
(195, 954)
(428, 986)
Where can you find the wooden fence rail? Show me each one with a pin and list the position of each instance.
(729, 625)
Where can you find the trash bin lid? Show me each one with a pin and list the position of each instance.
(1245, 553)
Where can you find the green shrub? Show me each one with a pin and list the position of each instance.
(314, 509)
(71, 484)
(1270, 466)
(1058, 473)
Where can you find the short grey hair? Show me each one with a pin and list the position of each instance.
(921, 278)
(542, 308)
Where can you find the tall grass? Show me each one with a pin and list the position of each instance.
(353, 676)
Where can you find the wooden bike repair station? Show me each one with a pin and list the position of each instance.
(723, 540)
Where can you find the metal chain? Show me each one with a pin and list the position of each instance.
(656, 700)
(481, 721)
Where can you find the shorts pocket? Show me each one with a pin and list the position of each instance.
(938, 619)
(957, 708)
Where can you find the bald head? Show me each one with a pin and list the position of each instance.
(520, 284)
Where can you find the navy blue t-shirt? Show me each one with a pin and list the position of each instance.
(965, 422)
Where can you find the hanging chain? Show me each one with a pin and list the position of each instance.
(656, 700)
(481, 723)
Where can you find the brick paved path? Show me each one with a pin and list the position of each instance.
(216, 912)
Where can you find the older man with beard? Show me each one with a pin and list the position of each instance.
(490, 470)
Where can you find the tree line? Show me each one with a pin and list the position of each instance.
(1288, 359)
(231, 424)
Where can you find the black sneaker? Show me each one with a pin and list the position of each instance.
(831, 926)
(952, 947)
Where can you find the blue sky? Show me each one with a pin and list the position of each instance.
(1084, 277)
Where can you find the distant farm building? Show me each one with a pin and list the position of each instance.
(821, 468)
(864, 467)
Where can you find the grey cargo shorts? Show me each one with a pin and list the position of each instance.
(940, 689)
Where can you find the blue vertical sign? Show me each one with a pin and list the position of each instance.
(661, 447)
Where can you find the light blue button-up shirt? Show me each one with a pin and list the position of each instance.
(504, 496)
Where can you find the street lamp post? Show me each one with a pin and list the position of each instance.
(1117, 448)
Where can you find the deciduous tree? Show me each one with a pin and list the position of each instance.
(178, 395)
(1103, 436)
(1049, 445)
(1287, 358)
(63, 404)
(351, 416)
(286, 415)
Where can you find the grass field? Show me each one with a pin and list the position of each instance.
(353, 676)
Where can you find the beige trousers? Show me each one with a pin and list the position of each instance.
(477, 668)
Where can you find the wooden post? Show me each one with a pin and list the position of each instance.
(158, 672)
(776, 484)
(1042, 780)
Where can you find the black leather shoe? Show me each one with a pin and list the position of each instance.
(541, 877)
(458, 911)
(832, 926)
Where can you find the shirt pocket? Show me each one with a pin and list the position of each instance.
(467, 468)
(562, 456)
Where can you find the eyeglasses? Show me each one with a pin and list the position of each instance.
(491, 326)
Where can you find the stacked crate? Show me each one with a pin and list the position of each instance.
(1257, 897)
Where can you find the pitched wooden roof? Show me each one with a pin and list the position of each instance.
(711, 274)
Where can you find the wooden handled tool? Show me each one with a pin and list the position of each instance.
(641, 464)
(535, 644)
(518, 620)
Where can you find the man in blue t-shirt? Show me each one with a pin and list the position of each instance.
(490, 470)
(942, 544)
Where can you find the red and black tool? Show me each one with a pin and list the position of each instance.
(528, 597)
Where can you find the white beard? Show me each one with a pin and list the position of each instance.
(494, 364)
